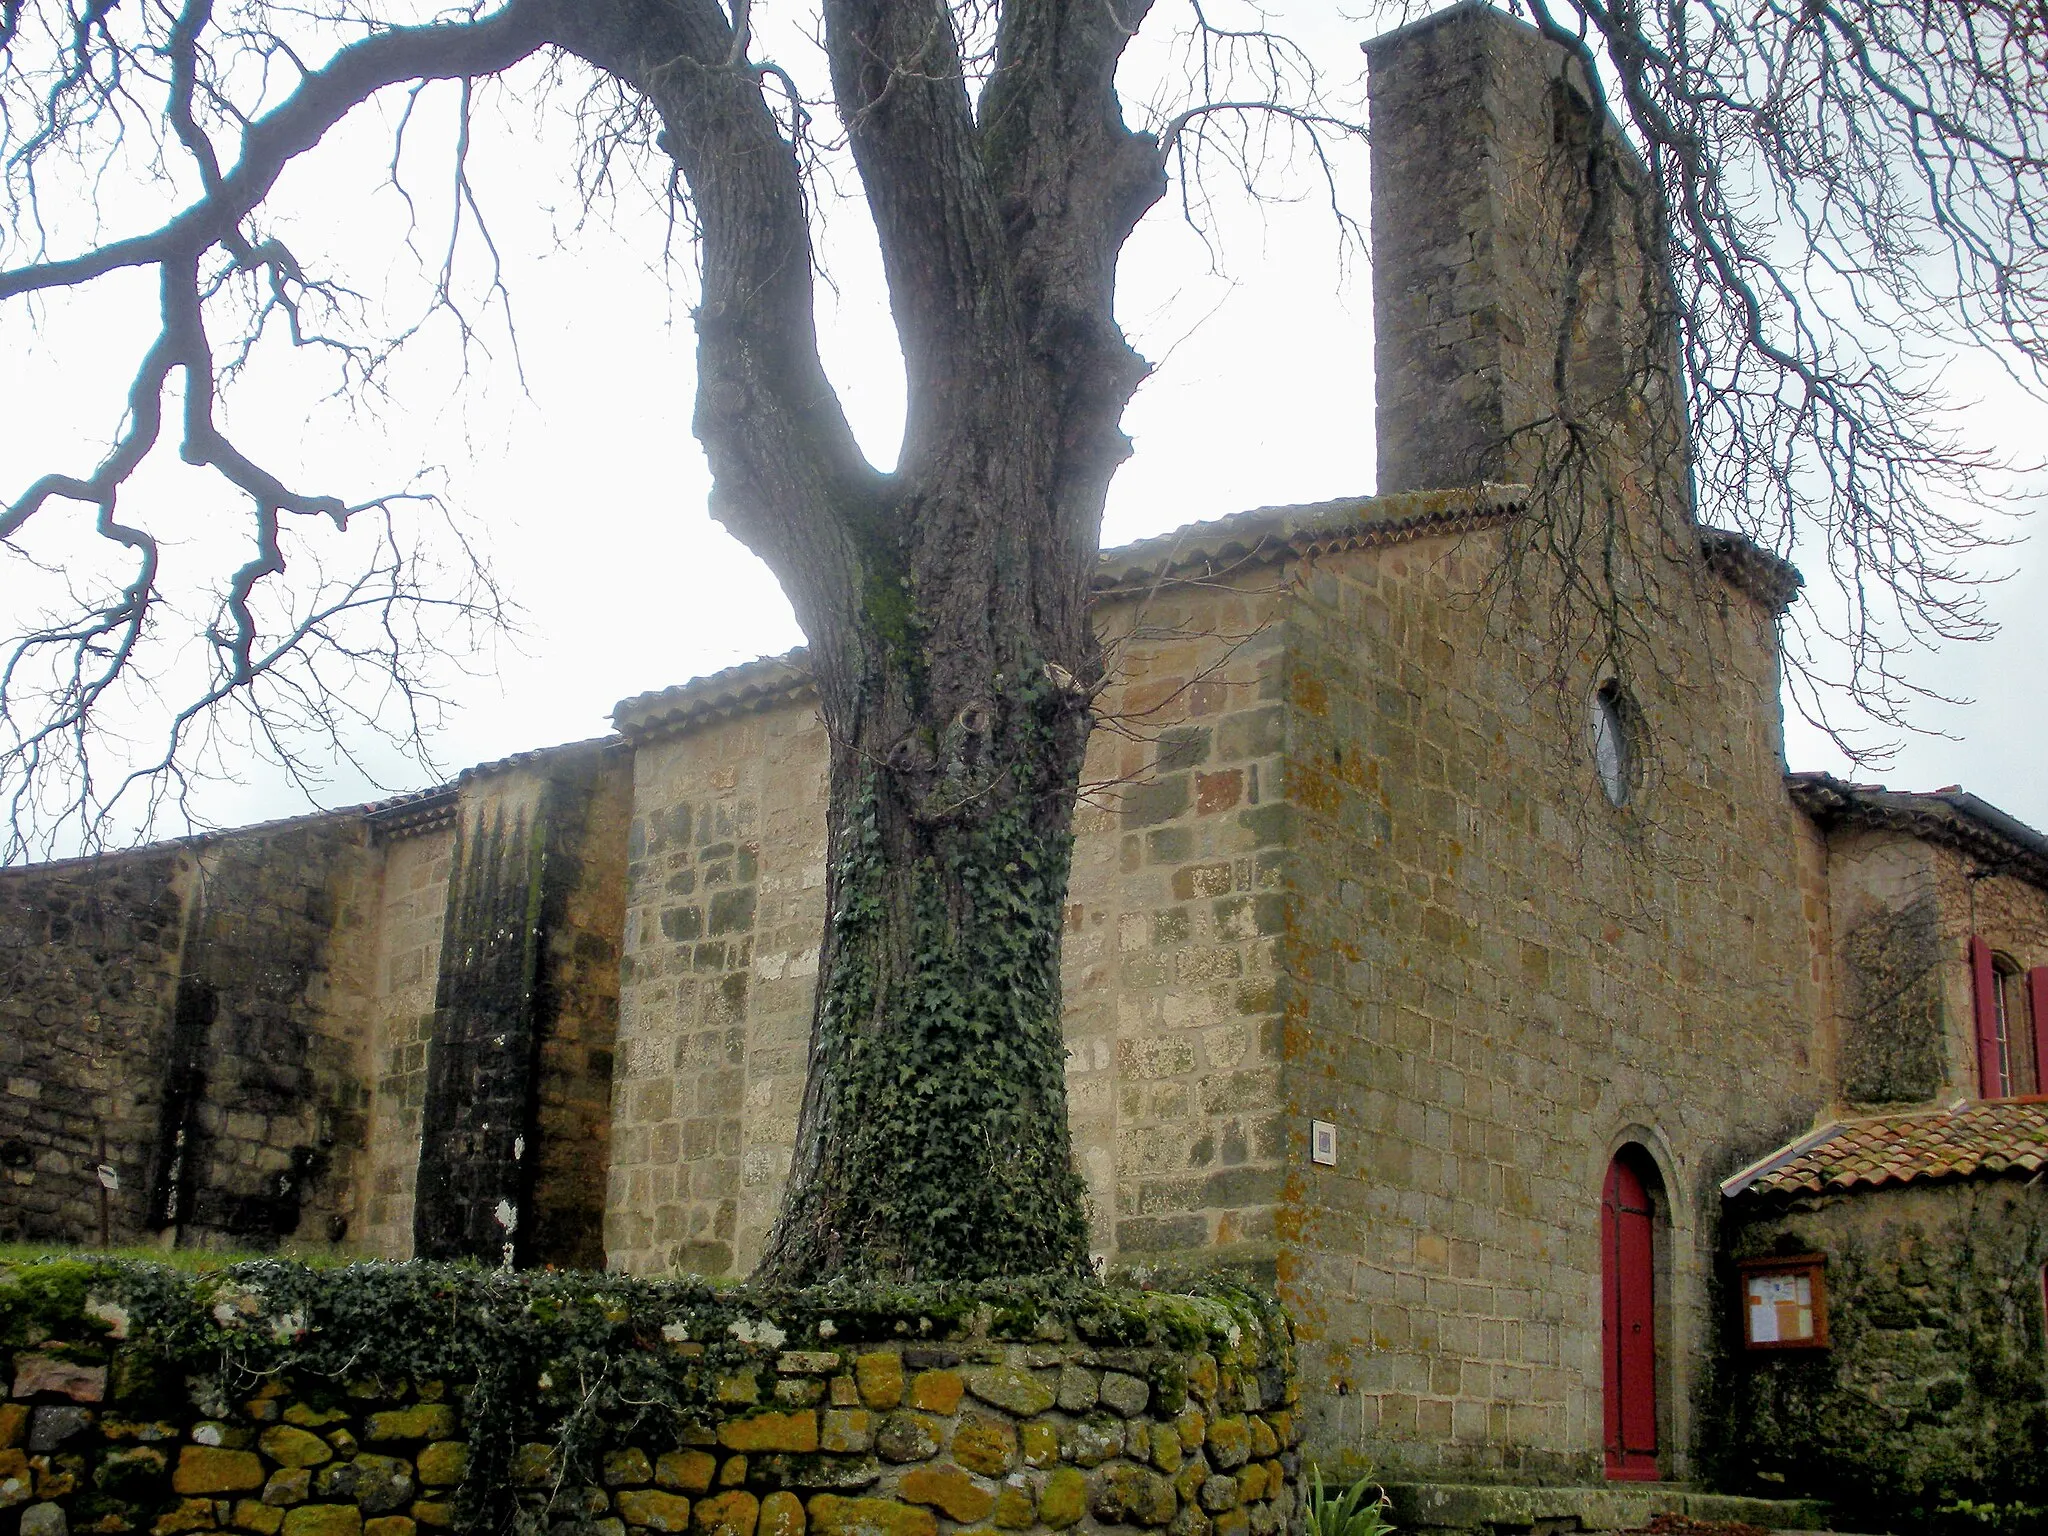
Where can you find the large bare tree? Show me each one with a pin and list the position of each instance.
(946, 600)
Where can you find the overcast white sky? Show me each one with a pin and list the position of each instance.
(587, 490)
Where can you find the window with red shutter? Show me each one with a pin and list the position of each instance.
(2037, 1017)
(1984, 1000)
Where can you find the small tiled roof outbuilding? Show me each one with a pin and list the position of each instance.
(1972, 1138)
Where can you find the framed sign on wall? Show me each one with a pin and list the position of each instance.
(1785, 1302)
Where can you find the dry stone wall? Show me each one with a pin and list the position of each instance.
(834, 1414)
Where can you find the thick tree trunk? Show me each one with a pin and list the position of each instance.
(934, 1137)
(946, 603)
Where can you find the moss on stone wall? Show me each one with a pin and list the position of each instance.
(1934, 1389)
(375, 1400)
(1892, 1018)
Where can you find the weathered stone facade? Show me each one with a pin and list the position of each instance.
(1346, 866)
(192, 1020)
(1933, 1386)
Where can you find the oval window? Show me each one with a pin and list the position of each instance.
(1614, 741)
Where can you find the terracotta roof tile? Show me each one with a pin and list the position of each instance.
(1977, 1137)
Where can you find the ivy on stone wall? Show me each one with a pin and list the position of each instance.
(547, 1371)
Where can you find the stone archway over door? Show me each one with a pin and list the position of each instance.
(1628, 1319)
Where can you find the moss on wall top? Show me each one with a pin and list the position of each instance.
(160, 1401)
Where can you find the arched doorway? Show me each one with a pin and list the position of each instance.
(1628, 1315)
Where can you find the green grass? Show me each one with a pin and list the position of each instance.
(192, 1261)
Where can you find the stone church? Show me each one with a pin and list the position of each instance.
(1608, 1104)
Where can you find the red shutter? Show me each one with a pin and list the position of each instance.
(1984, 996)
(2037, 1011)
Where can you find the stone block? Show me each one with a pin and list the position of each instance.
(46, 1519)
(290, 1446)
(1079, 1389)
(1091, 1441)
(435, 1514)
(985, 1445)
(55, 1423)
(533, 1464)
(937, 1391)
(782, 1514)
(185, 1515)
(879, 1376)
(389, 1525)
(1124, 1494)
(1038, 1442)
(807, 1362)
(1015, 1509)
(323, 1520)
(421, 1421)
(1167, 1452)
(832, 1515)
(1146, 804)
(624, 1468)
(735, 1513)
(1123, 1394)
(796, 1431)
(442, 1464)
(1020, 1392)
(257, 1517)
(907, 1437)
(1065, 1499)
(951, 1489)
(293, 1485)
(1230, 1441)
(846, 1430)
(212, 1469)
(686, 1471)
(306, 1416)
(654, 1509)
(13, 1424)
(813, 1471)
(37, 1375)
(379, 1484)
(17, 1484)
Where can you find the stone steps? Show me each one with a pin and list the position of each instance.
(1498, 1509)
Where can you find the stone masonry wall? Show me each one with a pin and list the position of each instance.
(860, 1432)
(1892, 952)
(275, 1098)
(1932, 1388)
(414, 893)
(1171, 923)
(514, 1118)
(201, 1007)
(580, 957)
(88, 969)
(1495, 978)
(1480, 135)
(2011, 915)
(725, 884)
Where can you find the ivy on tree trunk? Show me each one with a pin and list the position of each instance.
(947, 602)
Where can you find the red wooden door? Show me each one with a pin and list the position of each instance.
(1628, 1325)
